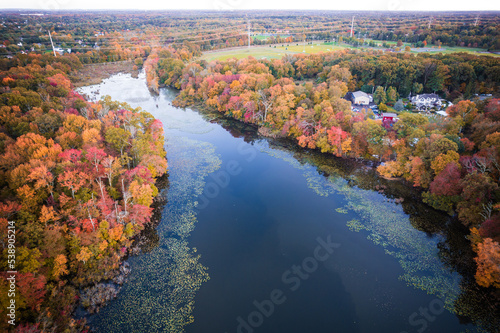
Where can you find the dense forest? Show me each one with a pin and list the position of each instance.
(77, 184)
(77, 179)
(112, 36)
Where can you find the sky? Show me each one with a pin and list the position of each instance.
(384, 5)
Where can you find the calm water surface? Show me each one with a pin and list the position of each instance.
(259, 236)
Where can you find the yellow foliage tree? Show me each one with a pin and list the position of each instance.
(74, 123)
(84, 255)
(488, 263)
(346, 145)
(390, 169)
(91, 136)
(48, 214)
(142, 194)
(28, 260)
(442, 160)
(60, 267)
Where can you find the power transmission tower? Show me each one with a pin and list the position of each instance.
(429, 25)
(477, 20)
(52, 44)
(352, 25)
(304, 41)
(248, 26)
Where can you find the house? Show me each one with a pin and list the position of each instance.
(387, 116)
(426, 101)
(442, 113)
(482, 97)
(388, 119)
(358, 97)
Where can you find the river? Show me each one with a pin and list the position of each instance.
(258, 235)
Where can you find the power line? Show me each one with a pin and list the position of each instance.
(248, 23)
(352, 25)
(52, 44)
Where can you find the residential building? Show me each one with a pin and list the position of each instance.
(358, 98)
(426, 101)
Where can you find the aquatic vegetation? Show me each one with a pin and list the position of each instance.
(341, 210)
(354, 225)
(160, 296)
(387, 225)
(166, 280)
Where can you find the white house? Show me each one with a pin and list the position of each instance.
(360, 98)
(426, 101)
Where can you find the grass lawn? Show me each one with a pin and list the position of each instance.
(260, 37)
(264, 37)
(314, 48)
(278, 52)
(448, 49)
(390, 42)
(268, 52)
(256, 52)
(443, 49)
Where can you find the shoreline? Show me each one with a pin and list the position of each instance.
(92, 74)
(142, 242)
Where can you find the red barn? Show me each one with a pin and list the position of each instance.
(388, 119)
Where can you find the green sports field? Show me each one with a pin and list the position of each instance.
(310, 48)
(266, 52)
(256, 52)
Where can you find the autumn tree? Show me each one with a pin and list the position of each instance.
(379, 96)
(488, 264)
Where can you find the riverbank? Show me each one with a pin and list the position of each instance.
(254, 211)
(92, 74)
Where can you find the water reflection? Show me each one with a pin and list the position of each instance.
(429, 245)
(470, 303)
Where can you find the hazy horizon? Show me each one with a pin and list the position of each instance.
(236, 5)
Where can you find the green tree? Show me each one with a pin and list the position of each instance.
(379, 96)
(392, 95)
(118, 138)
(417, 87)
(399, 106)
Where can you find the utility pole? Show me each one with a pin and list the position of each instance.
(248, 26)
(352, 25)
(304, 42)
(52, 44)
